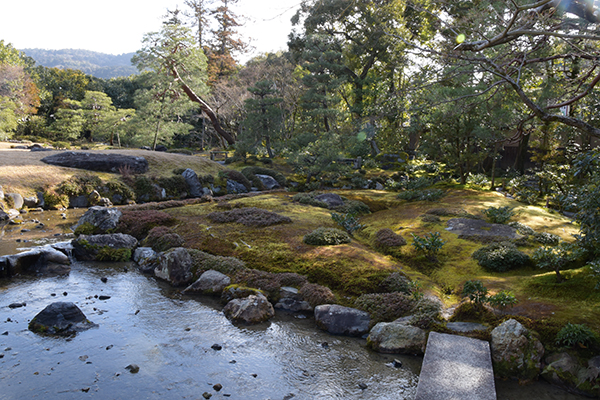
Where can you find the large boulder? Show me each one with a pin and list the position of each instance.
(191, 178)
(268, 182)
(253, 309)
(331, 199)
(175, 267)
(516, 352)
(61, 318)
(340, 320)
(107, 247)
(38, 260)
(290, 299)
(16, 199)
(566, 371)
(234, 187)
(100, 219)
(98, 161)
(30, 202)
(210, 282)
(146, 259)
(397, 338)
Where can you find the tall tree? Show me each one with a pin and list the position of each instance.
(225, 44)
(199, 12)
(176, 60)
(263, 120)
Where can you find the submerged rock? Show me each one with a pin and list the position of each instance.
(38, 260)
(61, 318)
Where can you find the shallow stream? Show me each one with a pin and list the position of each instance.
(171, 337)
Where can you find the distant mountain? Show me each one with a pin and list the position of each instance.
(92, 63)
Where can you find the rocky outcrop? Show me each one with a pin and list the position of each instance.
(253, 309)
(340, 320)
(397, 337)
(191, 178)
(175, 267)
(331, 199)
(476, 229)
(210, 282)
(268, 182)
(61, 318)
(516, 352)
(566, 371)
(102, 219)
(234, 187)
(290, 299)
(107, 247)
(38, 260)
(98, 161)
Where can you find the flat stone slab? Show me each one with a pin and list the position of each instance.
(456, 368)
(468, 228)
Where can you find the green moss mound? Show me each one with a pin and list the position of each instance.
(327, 237)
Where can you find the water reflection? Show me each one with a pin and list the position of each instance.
(170, 338)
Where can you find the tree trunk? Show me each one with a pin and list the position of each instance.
(204, 107)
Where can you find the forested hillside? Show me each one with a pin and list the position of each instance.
(92, 63)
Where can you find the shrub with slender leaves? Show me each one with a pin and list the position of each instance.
(500, 257)
(576, 335)
(349, 222)
(499, 215)
(421, 195)
(429, 244)
(502, 300)
(475, 291)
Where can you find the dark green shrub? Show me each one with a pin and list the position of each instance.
(502, 300)
(174, 185)
(355, 207)
(576, 335)
(500, 257)
(499, 215)
(236, 176)
(384, 307)
(425, 312)
(475, 291)
(139, 223)
(87, 228)
(396, 282)
(251, 172)
(421, 195)
(162, 238)
(54, 200)
(80, 185)
(430, 244)
(144, 187)
(546, 238)
(309, 198)
(347, 221)
(249, 216)
(522, 228)
(317, 294)
(386, 240)
(326, 237)
(121, 189)
(203, 261)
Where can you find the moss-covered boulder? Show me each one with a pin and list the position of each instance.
(516, 352)
(108, 247)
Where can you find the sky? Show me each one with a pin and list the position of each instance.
(118, 26)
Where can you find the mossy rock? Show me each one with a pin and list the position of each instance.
(238, 292)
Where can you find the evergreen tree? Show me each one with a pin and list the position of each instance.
(264, 117)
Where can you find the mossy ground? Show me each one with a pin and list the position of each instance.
(355, 268)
